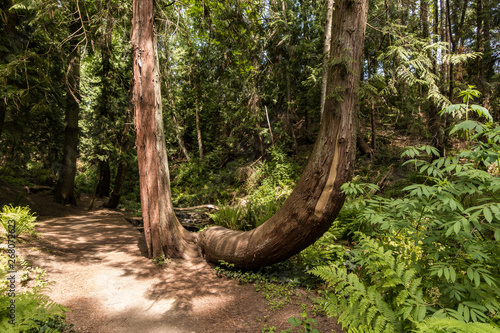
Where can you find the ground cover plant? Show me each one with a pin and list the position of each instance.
(23, 305)
(434, 251)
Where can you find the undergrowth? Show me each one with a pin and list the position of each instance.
(23, 305)
(427, 260)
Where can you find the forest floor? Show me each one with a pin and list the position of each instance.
(98, 263)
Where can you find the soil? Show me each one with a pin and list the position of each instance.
(98, 263)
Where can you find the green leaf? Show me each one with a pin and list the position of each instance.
(477, 279)
(487, 214)
(294, 321)
(447, 273)
(470, 273)
(453, 274)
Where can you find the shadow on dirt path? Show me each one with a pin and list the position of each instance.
(100, 272)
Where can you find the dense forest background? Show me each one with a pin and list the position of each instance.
(242, 94)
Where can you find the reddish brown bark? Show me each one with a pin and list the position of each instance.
(164, 234)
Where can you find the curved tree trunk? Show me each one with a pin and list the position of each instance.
(316, 199)
(163, 232)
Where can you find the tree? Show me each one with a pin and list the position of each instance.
(64, 191)
(164, 234)
(316, 200)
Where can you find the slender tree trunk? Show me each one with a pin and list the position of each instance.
(104, 183)
(424, 18)
(374, 128)
(488, 61)
(103, 187)
(197, 115)
(64, 191)
(326, 52)
(479, 45)
(178, 137)
(177, 127)
(163, 232)
(121, 171)
(3, 113)
(289, 110)
(316, 199)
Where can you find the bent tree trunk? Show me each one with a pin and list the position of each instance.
(163, 232)
(316, 199)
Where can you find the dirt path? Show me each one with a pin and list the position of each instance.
(101, 274)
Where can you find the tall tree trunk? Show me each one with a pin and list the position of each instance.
(104, 109)
(455, 39)
(197, 116)
(326, 52)
(104, 183)
(488, 60)
(479, 41)
(177, 127)
(316, 200)
(162, 230)
(374, 128)
(64, 191)
(424, 17)
(289, 56)
(121, 171)
(3, 113)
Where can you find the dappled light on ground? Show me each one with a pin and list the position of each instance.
(99, 265)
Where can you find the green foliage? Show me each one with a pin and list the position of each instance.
(30, 274)
(278, 295)
(435, 250)
(383, 295)
(34, 311)
(159, 261)
(269, 184)
(25, 220)
(447, 325)
(306, 323)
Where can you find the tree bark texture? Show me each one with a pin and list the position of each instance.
(326, 54)
(163, 232)
(316, 200)
(64, 191)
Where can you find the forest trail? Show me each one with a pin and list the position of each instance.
(100, 272)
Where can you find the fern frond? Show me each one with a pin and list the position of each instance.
(448, 325)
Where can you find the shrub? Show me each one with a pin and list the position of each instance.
(25, 221)
(34, 311)
(435, 251)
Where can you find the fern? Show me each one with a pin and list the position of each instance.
(34, 310)
(447, 325)
(385, 297)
